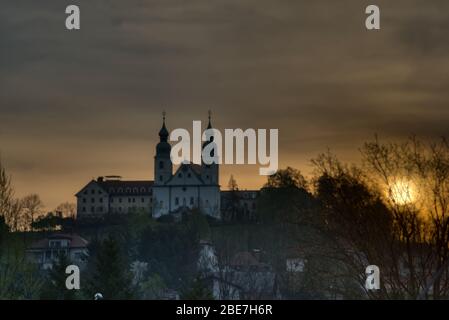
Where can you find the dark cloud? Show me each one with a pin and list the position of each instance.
(75, 105)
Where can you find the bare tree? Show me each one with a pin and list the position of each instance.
(6, 191)
(67, 210)
(415, 177)
(31, 209)
(10, 208)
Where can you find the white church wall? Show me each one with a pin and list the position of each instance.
(210, 201)
(161, 199)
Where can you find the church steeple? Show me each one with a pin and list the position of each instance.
(210, 172)
(209, 126)
(163, 133)
(162, 162)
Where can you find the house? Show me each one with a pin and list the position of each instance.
(46, 251)
(244, 276)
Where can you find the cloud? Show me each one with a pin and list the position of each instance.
(75, 105)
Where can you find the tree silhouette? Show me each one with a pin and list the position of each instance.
(111, 275)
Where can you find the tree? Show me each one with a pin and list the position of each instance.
(287, 178)
(285, 198)
(67, 210)
(152, 288)
(198, 290)
(48, 222)
(356, 225)
(4, 230)
(9, 207)
(111, 275)
(18, 278)
(31, 209)
(55, 287)
(232, 184)
(415, 176)
(232, 209)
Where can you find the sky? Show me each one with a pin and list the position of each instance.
(75, 105)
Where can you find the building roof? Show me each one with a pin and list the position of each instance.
(194, 168)
(127, 187)
(75, 241)
(122, 187)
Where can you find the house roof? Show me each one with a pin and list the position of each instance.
(75, 241)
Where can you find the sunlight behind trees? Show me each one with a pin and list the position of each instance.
(402, 192)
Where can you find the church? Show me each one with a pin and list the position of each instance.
(190, 186)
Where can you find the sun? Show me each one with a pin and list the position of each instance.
(402, 192)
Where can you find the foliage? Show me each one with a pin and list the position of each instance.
(55, 285)
(197, 290)
(111, 276)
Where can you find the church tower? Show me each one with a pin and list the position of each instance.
(210, 171)
(162, 163)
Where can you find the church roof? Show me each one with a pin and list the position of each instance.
(194, 168)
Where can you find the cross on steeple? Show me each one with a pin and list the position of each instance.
(209, 116)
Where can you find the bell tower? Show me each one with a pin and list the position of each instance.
(210, 171)
(163, 167)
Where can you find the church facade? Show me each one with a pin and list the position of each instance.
(190, 186)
